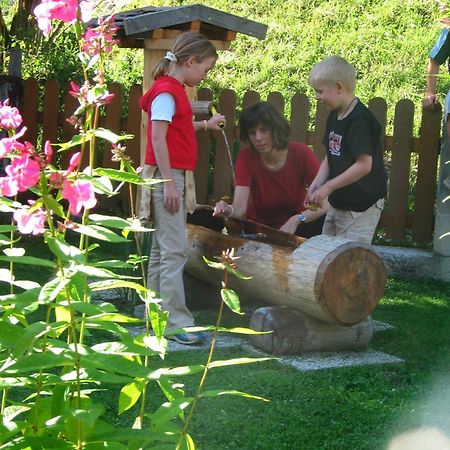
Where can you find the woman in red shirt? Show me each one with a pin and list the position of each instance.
(272, 175)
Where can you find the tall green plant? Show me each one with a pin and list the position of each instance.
(49, 370)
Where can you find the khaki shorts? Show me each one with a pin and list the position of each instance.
(357, 226)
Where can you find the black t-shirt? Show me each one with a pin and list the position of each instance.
(358, 133)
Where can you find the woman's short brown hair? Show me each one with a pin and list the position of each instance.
(264, 113)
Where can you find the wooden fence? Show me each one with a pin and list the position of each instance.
(412, 161)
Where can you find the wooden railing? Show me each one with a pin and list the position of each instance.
(412, 160)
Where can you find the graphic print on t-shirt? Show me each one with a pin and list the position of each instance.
(334, 144)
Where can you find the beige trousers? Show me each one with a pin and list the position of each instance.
(168, 254)
(353, 225)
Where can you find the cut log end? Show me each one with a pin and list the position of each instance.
(350, 282)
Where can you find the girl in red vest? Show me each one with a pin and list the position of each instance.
(171, 155)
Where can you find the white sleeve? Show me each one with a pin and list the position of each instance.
(163, 107)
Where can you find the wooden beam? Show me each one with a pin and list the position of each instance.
(195, 25)
(166, 44)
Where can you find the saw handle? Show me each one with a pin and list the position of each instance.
(214, 112)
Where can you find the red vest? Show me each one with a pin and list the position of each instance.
(181, 139)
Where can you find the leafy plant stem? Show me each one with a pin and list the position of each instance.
(206, 369)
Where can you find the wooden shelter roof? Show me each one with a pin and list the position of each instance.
(145, 23)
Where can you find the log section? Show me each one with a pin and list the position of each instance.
(294, 332)
(329, 278)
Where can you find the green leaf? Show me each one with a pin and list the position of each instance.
(219, 392)
(97, 272)
(169, 410)
(119, 175)
(7, 228)
(100, 233)
(53, 205)
(111, 317)
(33, 332)
(62, 250)
(113, 264)
(130, 394)
(114, 284)
(237, 361)
(29, 260)
(214, 265)
(108, 135)
(9, 334)
(51, 289)
(231, 299)
(109, 221)
(122, 349)
(236, 273)
(76, 140)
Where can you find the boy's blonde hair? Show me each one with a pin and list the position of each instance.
(331, 70)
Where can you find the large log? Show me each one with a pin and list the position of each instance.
(294, 332)
(329, 278)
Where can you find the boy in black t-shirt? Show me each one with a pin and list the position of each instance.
(352, 174)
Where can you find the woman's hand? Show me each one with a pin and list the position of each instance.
(223, 209)
(291, 225)
(171, 197)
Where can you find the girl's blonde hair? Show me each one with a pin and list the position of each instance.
(185, 46)
(331, 70)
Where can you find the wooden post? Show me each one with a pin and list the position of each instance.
(293, 332)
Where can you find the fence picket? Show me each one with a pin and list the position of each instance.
(223, 172)
(399, 170)
(51, 110)
(430, 132)
(202, 172)
(300, 106)
(31, 109)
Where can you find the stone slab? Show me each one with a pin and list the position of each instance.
(303, 363)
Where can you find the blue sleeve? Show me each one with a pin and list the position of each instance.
(441, 49)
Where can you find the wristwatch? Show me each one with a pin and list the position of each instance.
(302, 218)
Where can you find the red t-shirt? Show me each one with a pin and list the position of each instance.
(275, 196)
(180, 138)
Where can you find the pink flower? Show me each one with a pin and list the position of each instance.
(7, 145)
(74, 161)
(65, 10)
(80, 194)
(8, 187)
(30, 222)
(25, 171)
(86, 8)
(101, 38)
(48, 151)
(10, 117)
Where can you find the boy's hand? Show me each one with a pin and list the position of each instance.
(318, 196)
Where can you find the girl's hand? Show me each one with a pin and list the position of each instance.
(171, 197)
(222, 209)
(217, 122)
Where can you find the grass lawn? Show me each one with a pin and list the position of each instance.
(347, 408)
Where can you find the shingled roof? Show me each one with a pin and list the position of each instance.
(214, 24)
